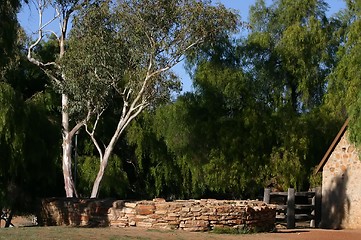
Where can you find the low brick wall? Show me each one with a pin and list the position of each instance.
(189, 215)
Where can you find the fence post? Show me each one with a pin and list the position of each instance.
(313, 212)
(318, 204)
(291, 208)
(267, 195)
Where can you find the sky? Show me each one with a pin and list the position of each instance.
(28, 19)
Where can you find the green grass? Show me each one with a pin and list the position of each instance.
(229, 230)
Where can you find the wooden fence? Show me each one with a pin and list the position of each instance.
(295, 206)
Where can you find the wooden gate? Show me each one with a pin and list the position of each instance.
(295, 206)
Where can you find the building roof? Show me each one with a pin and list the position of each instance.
(332, 147)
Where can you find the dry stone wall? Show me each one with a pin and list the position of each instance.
(189, 215)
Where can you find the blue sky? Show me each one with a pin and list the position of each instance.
(28, 19)
(243, 5)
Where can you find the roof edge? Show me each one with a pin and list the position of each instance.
(332, 147)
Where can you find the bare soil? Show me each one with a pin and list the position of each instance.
(43, 233)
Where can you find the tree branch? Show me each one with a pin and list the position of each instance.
(91, 133)
(76, 128)
(41, 8)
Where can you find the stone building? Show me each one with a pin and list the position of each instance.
(341, 184)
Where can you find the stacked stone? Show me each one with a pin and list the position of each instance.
(193, 215)
(50, 212)
(190, 215)
(74, 212)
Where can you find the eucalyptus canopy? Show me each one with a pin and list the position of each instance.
(122, 54)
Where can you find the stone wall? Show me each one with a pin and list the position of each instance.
(341, 188)
(189, 215)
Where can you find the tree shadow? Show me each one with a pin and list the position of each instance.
(335, 203)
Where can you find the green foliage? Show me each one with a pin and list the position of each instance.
(288, 47)
(115, 182)
(8, 33)
(257, 117)
(287, 169)
(204, 132)
(289, 54)
(344, 95)
(155, 168)
(28, 166)
(238, 230)
(119, 57)
(315, 180)
(12, 136)
(131, 45)
(91, 61)
(29, 141)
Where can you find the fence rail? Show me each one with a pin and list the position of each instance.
(295, 206)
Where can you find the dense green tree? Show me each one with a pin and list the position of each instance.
(28, 151)
(28, 139)
(8, 33)
(256, 117)
(201, 145)
(344, 95)
(288, 52)
(153, 166)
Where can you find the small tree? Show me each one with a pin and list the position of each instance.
(122, 55)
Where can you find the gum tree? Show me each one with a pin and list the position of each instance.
(62, 12)
(121, 55)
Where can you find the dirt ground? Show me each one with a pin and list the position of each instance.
(21, 232)
(71, 233)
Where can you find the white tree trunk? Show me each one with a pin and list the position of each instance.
(67, 142)
(68, 180)
(67, 135)
(102, 167)
(124, 121)
(99, 178)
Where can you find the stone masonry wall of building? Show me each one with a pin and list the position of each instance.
(341, 187)
(189, 215)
